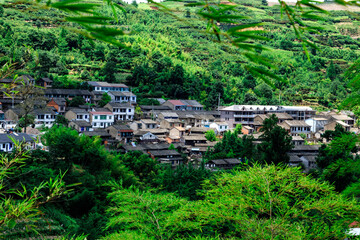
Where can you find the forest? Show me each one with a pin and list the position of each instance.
(162, 49)
(78, 189)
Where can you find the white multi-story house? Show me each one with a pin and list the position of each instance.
(120, 97)
(106, 87)
(7, 145)
(101, 118)
(43, 116)
(245, 114)
(317, 123)
(121, 111)
(220, 126)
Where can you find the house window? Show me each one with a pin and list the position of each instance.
(96, 117)
(129, 110)
(102, 117)
(95, 124)
(110, 117)
(79, 116)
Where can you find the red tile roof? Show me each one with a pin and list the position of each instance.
(177, 102)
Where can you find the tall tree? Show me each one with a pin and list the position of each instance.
(275, 142)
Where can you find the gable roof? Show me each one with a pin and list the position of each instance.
(122, 128)
(81, 123)
(176, 102)
(106, 84)
(73, 92)
(122, 94)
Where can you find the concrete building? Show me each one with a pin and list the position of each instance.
(106, 87)
(245, 114)
(121, 111)
(101, 118)
(120, 97)
(316, 123)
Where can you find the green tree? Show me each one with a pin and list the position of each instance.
(26, 121)
(23, 204)
(238, 129)
(77, 101)
(210, 135)
(185, 181)
(275, 142)
(258, 203)
(105, 99)
(61, 120)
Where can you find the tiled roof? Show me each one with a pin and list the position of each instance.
(176, 102)
(106, 84)
(4, 138)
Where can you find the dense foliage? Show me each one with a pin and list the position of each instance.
(169, 59)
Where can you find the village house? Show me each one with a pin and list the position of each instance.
(193, 139)
(45, 82)
(247, 130)
(121, 111)
(184, 105)
(101, 118)
(317, 123)
(331, 126)
(245, 114)
(297, 140)
(80, 125)
(296, 127)
(7, 145)
(304, 155)
(175, 105)
(204, 120)
(188, 118)
(77, 114)
(150, 111)
(167, 156)
(105, 137)
(227, 163)
(199, 130)
(167, 115)
(171, 123)
(120, 97)
(106, 87)
(122, 133)
(58, 104)
(344, 118)
(143, 136)
(43, 116)
(176, 135)
(143, 124)
(161, 133)
(220, 127)
(67, 93)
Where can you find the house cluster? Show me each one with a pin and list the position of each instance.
(174, 131)
(302, 123)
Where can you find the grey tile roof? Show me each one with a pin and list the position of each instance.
(4, 138)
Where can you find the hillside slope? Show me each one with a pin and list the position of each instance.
(167, 58)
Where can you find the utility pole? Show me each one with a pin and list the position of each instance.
(219, 102)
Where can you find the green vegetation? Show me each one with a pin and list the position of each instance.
(132, 196)
(169, 59)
